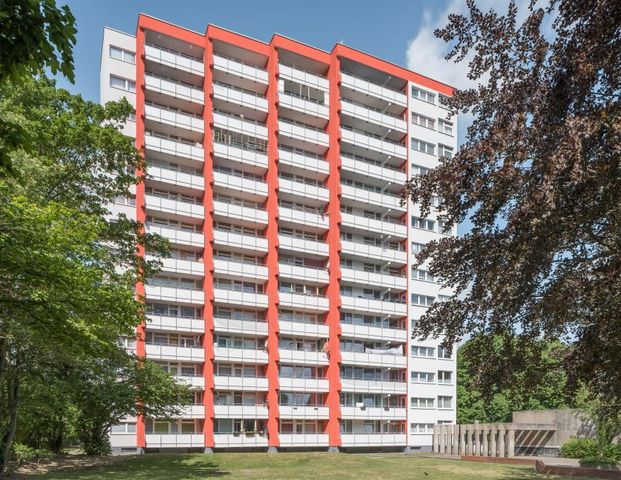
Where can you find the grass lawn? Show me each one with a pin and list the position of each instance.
(288, 466)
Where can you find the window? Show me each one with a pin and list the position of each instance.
(443, 100)
(122, 83)
(444, 353)
(446, 127)
(423, 224)
(421, 428)
(423, 121)
(421, 402)
(423, 95)
(419, 170)
(417, 247)
(124, 55)
(445, 402)
(443, 298)
(422, 300)
(425, 352)
(444, 151)
(423, 275)
(423, 377)
(123, 428)
(445, 377)
(422, 146)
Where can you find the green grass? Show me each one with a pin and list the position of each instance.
(288, 466)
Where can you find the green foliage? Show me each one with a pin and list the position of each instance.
(21, 454)
(579, 448)
(604, 414)
(603, 462)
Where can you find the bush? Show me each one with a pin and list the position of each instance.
(579, 448)
(599, 462)
(613, 451)
(21, 454)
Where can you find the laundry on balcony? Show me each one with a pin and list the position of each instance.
(385, 351)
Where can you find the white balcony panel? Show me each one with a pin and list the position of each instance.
(173, 177)
(306, 274)
(192, 411)
(301, 105)
(117, 209)
(237, 154)
(241, 355)
(304, 302)
(123, 440)
(373, 439)
(300, 132)
(240, 270)
(168, 352)
(373, 116)
(303, 190)
(366, 141)
(368, 88)
(179, 237)
(303, 440)
(373, 225)
(196, 381)
(304, 162)
(175, 148)
(176, 207)
(240, 97)
(175, 440)
(176, 265)
(174, 118)
(176, 324)
(373, 171)
(303, 384)
(246, 327)
(183, 295)
(372, 251)
(372, 278)
(372, 386)
(240, 411)
(304, 77)
(373, 333)
(246, 185)
(373, 306)
(373, 413)
(237, 240)
(309, 413)
(175, 89)
(302, 245)
(239, 212)
(233, 297)
(300, 357)
(174, 60)
(304, 329)
(361, 195)
(246, 384)
(374, 359)
(304, 218)
(240, 69)
(231, 122)
(240, 440)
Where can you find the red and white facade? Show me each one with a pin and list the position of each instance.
(275, 171)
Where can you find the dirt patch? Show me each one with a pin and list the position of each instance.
(62, 462)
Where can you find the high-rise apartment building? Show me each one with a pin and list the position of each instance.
(275, 170)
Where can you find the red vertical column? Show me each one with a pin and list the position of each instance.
(141, 216)
(408, 252)
(333, 239)
(271, 259)
(208, 371)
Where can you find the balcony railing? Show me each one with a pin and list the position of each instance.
(239, 68)
(174, 59)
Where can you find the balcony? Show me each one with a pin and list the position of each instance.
(313, 165)
(239, 355)
(240, 440)
(374, 333)
(239, 184)
(175, 440)
(240, 69)
(238, 270)
(192, 411)
(371, 170)
(312, 137)
(303, 77)
(372, 251)
(239, 212)
(385, 280)
(303, 440)
(368, 305)
(117, 209)
(306, 274)
(305, 412)
(174, 294)
(383, 227)
(176, 265)
(178, 237)
(373, 413)
(238, 154)
(303, 302)
(174, 118)
(234, 297)
(303, 218)
(317, 330)
(373, 386)
(240, 411)
(303, 105)
(373, 439)
(239, 124)
(372, 115)
(123, 440)
(174, 60)
(175, 207)
(169, 352)
(177, 90)
(384, 200)
(247, 384)
(238, 96)
(301, 357)
(374, 359)
(367, 88)
(247, 327)
(197, 381)
(365, 140)
(174, 177)
(304, 384)
(299, 189)
(303, 245)
(175, 324)
(240, 241)
(174, 147)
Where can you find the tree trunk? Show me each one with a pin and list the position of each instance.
(12, 404)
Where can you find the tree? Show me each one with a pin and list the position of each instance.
(604, 415)
(539, 178)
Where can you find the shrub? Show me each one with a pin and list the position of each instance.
(21, 454)
(613, 451)
(599, 462)
(579, 448)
